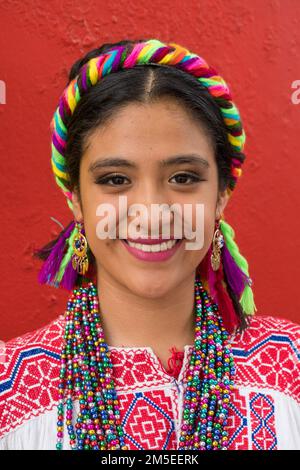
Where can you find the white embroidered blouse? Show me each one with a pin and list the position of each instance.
(264, 411)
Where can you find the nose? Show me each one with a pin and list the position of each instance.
(151, 212)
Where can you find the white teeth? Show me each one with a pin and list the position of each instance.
(154, 248)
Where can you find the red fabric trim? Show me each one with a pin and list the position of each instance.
(174, 362)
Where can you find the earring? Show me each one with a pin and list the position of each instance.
(80, 261)
(218, 242)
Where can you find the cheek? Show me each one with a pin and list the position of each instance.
(209, 223)
(101, 248)
(204, 218)
(203, 224)
(92, 219)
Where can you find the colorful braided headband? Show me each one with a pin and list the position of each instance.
(152, 51)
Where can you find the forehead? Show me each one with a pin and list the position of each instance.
(150, 131)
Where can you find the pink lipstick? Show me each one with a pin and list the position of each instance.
(162, 255)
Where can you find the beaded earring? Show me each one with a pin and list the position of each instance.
(80, 261)
(217, 244)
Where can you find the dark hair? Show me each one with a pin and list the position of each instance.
(144, 84)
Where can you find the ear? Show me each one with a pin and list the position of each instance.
(77, 209)
(223, 199)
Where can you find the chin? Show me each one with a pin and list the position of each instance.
(152, 284)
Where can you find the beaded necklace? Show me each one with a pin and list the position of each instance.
(87, 374)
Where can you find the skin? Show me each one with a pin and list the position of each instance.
(146, 303)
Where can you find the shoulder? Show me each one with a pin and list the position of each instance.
(266, 328)
(268, 354)
(29, 373)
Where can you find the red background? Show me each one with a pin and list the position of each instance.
(254, 45)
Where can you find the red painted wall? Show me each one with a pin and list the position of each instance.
(254, 45)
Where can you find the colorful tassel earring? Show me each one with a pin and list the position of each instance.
(224, 277)
(55, 257)
(57, 270)
(66, 261)
(218, 284)
(236, 269)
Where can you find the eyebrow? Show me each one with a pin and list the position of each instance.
(192, 158)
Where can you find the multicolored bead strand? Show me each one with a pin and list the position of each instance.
(210, 380)
(85, 353)
(87, 375)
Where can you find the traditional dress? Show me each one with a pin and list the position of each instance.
(264, 410)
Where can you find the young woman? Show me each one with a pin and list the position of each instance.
(159, 347)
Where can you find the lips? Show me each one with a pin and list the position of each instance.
(150, 241)
(152, 255)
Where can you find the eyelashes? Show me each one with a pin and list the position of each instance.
(184, 175)
(119, 179)
(104, 180)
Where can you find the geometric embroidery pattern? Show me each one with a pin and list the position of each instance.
(266, 356)
(262, 412)
(148, 421)
(134, 368)
(29, 375)
(237, 422)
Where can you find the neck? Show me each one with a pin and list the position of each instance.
(130, 320)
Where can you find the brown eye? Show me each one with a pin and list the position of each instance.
(117, 180)
(186, 178)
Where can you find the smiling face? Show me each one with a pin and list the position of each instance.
(152, 138)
